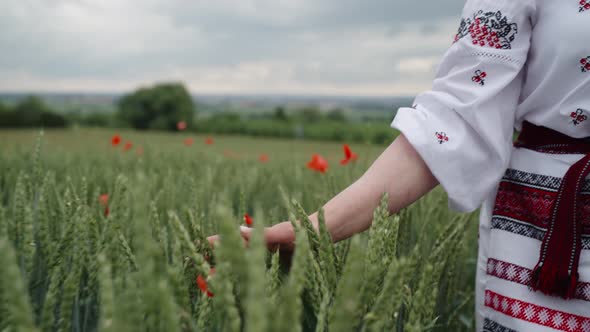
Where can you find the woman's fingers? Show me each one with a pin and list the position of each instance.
(269, 235)
(246, 232)
(280, 236)
(212, 240)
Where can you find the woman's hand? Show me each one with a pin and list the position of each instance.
(278, 237)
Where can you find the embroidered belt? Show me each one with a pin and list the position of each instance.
(556, 272)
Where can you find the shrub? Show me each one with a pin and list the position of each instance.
(159, 107)
(31, 112)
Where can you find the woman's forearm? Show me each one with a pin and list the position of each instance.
(399, 171)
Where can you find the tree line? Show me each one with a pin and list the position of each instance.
(164, 106)
(158, 107)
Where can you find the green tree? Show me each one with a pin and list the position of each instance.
(7, 117)
(280, 114)
(28, 111)
(337, 115)
(311, 114)
(52, 119)
(31, 112)
(158, 107)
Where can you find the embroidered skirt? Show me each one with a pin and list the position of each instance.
(513, 223)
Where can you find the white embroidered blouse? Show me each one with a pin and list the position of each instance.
(511, 60)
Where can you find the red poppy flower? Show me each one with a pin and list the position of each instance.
(127, 146)
(188, 141)
(181, 125)
(202, 283)
(348, 155)
(104, 201)
(318, 164)
(209, 141)
(139, 151)
(248, 220)
(115, 140)
(263, 158)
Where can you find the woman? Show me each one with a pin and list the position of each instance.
(521, 65)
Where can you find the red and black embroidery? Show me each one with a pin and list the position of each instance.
(488, 29)
(521, 275)
(463, 28)
(528, 198)
(524, 202)
(578, 116)
(536, 314)
(479, 77)
(585, 64)
(584, 5)
(442, 137)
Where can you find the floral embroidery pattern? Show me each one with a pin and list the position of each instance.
(463, 29)
(488, 29)
(479, 77)
(578, 116)
(585, 63)
(584, 5)
(442, 137)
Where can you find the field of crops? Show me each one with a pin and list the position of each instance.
(95, 237)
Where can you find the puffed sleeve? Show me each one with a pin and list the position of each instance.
(463, 126)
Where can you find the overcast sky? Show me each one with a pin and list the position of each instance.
(336, 47)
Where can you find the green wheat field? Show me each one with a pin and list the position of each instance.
(74, 259)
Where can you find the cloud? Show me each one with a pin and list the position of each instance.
(237, 46)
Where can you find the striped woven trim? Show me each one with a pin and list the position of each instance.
(539, 181)
(528, 230)
(532, 313)
(521, 275)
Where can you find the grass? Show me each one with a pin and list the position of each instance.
(69, 267)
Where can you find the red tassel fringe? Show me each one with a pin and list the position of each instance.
(550, 280)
